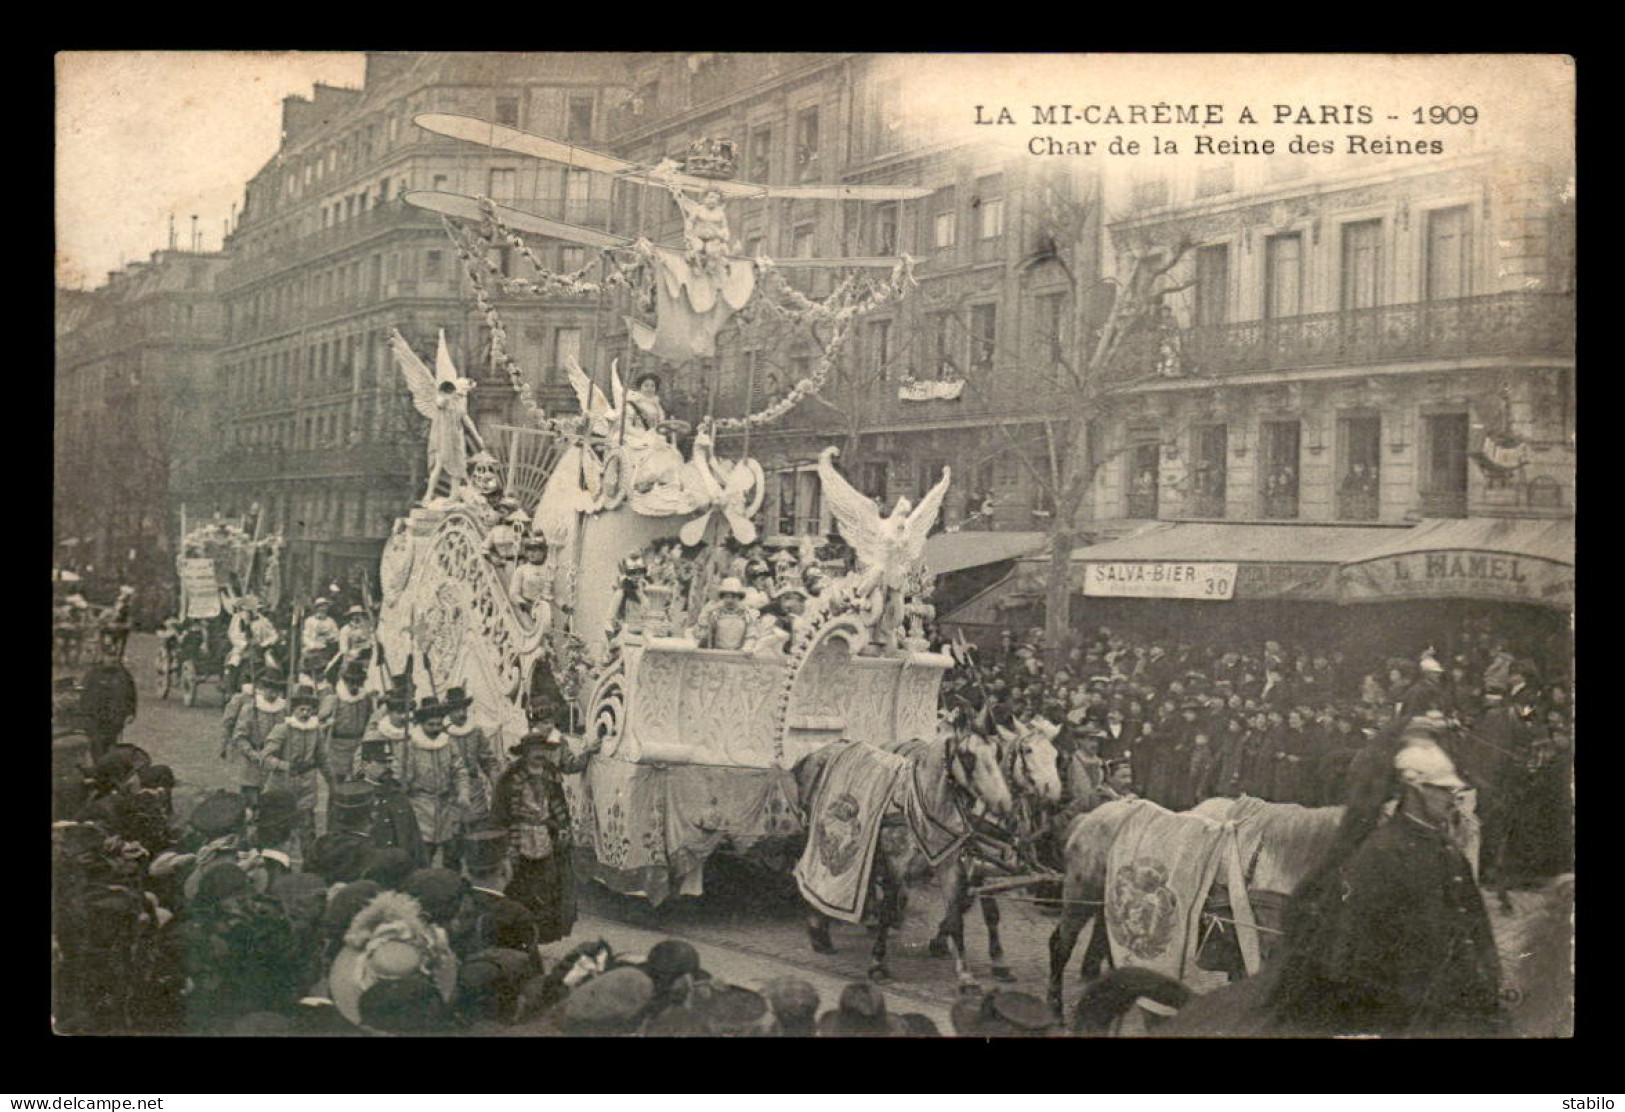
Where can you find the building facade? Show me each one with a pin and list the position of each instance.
(327, 259)
(135, 403)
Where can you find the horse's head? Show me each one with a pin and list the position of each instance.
(1035, 765)
(973, 764)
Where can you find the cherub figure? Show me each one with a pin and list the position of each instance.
(705, 223)
(442, 397)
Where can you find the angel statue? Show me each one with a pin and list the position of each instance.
(888, 548)
(705, 223)
(442, 397)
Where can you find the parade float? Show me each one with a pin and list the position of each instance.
(697, 710)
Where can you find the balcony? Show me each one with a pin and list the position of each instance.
(1207, 505)
(1521, 323)
(303, 250)
(1357, 506)
(1444, 503)
(1281, 506)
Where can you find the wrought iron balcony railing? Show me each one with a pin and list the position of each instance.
(1519, 323)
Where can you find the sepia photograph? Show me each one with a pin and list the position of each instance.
(901, 545)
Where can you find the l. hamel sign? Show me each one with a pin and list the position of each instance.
(1160, 579)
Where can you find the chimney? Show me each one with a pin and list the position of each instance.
(172, 231)
(194, 232)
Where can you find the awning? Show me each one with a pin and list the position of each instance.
(949, 552)
(1215, 561)
(1504, 560)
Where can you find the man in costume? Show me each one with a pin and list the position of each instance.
(435, 781)
(356, 639)
(239, 699)
(531, 806)
(1390, 936)
(727, 622)
(347, 711)
(296, 753)
(251, 737)
(251, 635)
(479, 762)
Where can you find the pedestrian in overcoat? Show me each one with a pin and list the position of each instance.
(531, 805)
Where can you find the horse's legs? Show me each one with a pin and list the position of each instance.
(954, 884)
(1099, 951)
(818, 932)
(890, 881)
(995, 948)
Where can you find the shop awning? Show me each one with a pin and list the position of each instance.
(949, 552)
(1499, 559)
(1216, 561)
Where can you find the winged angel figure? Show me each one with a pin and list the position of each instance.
(442, 397)
(889, 547)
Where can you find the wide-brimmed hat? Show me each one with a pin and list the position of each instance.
(1002, 1014)
(484, 850)
(1427, 764)
(730, 586)
(861, 1012)
(354, 669)
(457, 698)
(320, 603)
(304, 695)
(536, 739)
(429, 708)
(610, 1003)
(789, 589)
(440, 891)
(220, 814)
(356, 612)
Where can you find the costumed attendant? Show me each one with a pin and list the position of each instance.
(479, 762)
(531, 806)
(347, 711)
(435, 781)
(251, 738)
(355, 639)
(296, 752)
(318, 641)
(240, 698)
(529, 586)
(503, 540)
(726, 623)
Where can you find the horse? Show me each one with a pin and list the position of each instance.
(1281, 844)
(1030, 763)
(959, 767)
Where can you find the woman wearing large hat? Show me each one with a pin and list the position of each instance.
(531, 805)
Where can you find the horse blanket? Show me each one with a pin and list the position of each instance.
(849, 800)
(1159, 871)
(927, 798)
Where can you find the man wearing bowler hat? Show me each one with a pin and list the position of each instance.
(531, 805)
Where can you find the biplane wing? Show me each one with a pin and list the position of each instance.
(555, 150)
(467, 208)
(464, 207)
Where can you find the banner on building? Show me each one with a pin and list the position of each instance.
(1160, 579)
(200, 591)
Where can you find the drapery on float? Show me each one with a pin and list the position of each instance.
(607, 619)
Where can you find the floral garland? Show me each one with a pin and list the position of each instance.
(852, 298)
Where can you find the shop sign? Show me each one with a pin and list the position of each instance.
(1160, 579)
(199, 588)
(1461, 574)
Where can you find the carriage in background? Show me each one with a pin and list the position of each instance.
(219, 563)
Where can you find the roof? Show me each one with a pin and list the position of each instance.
(948, 552)
(1540, 540)
(1242, 543)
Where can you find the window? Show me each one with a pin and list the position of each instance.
(1359, 462)
(754, 246)
(502, 184)
(432, 264)
(872, 479)
(1210, 470)
(885, 229)
(886, 115)
(440, 181)
(989, 206)
(1212, 305)
(983, 336)
(1449, 258)
(577, 195)
(383, 191)
(1145, 465)
(1283, 276)
(507, 113)
(806, 144)
(579, 124)
(566, 347)
(1444, 468)
(880, 352)
(1279, 474)
(761, 155)
(940, 335)
(944, 220)
(801, 241)
(1362, 265)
